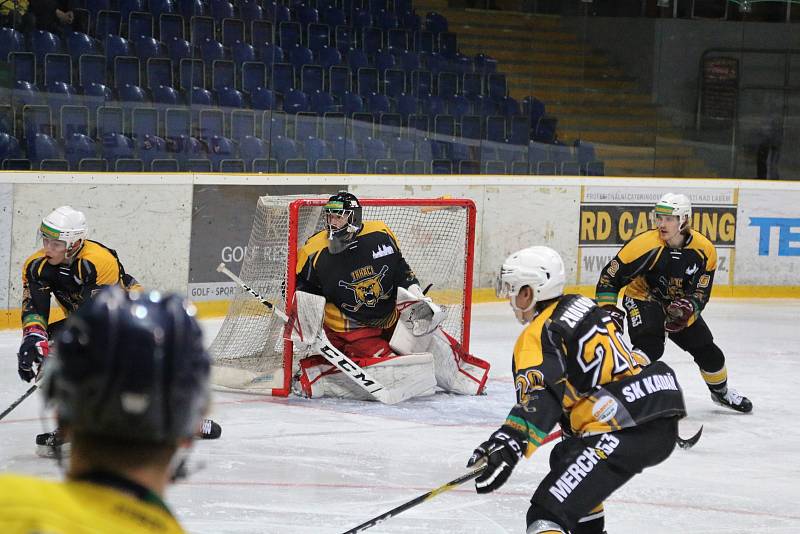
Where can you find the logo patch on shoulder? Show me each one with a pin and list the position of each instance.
(691, 270)
(383, 250)
(604, 409)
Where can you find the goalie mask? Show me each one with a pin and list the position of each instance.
(342, 220)
(131, 366)
(67, 225)
(539, 268)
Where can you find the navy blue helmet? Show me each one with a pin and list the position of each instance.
(344, 206)
(131, 367)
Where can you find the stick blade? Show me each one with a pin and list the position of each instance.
(688, 443)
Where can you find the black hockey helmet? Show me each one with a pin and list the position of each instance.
(131, 367)
(342, 204)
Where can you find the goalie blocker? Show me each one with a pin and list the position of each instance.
(424, 356)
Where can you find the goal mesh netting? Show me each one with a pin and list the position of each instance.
(436, 237)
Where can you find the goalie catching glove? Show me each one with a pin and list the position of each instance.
(679, 312)
(501, 452)
(420, 312)
(32, 352)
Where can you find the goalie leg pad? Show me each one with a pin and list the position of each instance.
(457, 371)
(413, 374)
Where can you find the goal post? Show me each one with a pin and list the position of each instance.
(436, 237)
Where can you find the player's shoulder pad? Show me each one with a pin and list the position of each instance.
(640, 245)
(703, 244)
(570, 313)
(39, 254)
(371, 227)
(96, 252)
(316, 242)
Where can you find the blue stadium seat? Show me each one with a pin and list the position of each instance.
(199, 96)
(251, 10)
(230, 97)
(9, 147)
(394, 83)
(378, 104)
(448, 44)
(252, 148)
(220, 148)
(282, 77)
(151, 147)
(165, 164)
(447, 84)
(43, 43)
(273, 124)
(344, 38)
(187, 148)
(519, 129)
(261, 32)
(435, 22)
(546, 168)
(190, 8)
(51, 165)
(271, 54)
(57, 68)
(299, 55)
(116, 46)
(315, 150)
(126, 7)
(144, 121)
(295, 101)
(116, 146)
(262, 98)
(384, 60)
(220, 9)
(421, 82)
(276, 12)
(374, 149)
(131, 93)
(10, 41)
(77, 147)
(126, 71)
(496, 86)
(333, 16)
(594, 168)
(545, 130)
(232, 31)
(179, 49)
(357, 59)
(108, 22)
(79, 43)
(410, 61)
(483, 105)
(296, 166)
(163, 94)
(91, 70)
(397, 39)
(211, 123)
(318, 36)
(129, 165)
(339, 80)
(496, 129)
(232, 166)
(508, 106)
(223, 74)
(7, 122)
(243, 124)
(147, 47)
(96, 6)
(356, 166)
(96, 95)
(432, 105)
(265, 165)
(199, 164)
(284, 149)
(423, 41)
(74, 119)
(254, 75)
(410, 20)
(192, 73)
(289, 34)
(471, 126)
(306, 125)
(387, 20)
(242, 52)
(499, 167)
(157, 7)
(92, 165)
(36, 119)
(334, 126)
(367, 79)
(361, 19)
(140, 24)
(371, 39)
(159, 72)
(200, 29)
(407, 105)
(211, 50)
(385, 166)
(305, 14)
(178, 123)
(351, 103)
(459, 106)
(402, 149)
(322, 102)
(23, 66)
(170, 27)
(418, 124)
(344, 149)
(469, 166)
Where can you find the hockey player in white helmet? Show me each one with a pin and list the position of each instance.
(71, 268)
(572, 366)
(667, 274)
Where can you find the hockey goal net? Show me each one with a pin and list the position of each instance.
(436, 236)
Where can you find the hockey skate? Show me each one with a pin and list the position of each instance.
(52, 445)
(209, 430)
(730, 398)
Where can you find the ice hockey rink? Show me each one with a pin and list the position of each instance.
(291, 465)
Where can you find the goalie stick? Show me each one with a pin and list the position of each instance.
(19, 400)
(342, 362)
(433, 493)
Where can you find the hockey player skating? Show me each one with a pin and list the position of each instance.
(572, 365)
(130, 386)
(667, 274)
(70, 268)
(376, 313)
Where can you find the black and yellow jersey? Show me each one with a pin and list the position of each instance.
(360, 283)
(571, 364)
(652, 270)
(31, 505)
(94, 266)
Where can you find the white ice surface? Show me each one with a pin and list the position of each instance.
(290, 465)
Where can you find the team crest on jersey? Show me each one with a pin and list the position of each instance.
(691, 270)
(367, 290)
(383, 250)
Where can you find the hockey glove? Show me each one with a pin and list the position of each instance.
(678, 314)
(33, 350)
(501, 452)
(617, 315)
(420, 311)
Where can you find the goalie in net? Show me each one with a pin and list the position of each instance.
(375, 312)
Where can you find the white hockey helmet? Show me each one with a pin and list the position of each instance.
(65, 224)
(674, 204)
(539, 267)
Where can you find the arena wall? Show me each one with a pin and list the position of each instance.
(171, 230)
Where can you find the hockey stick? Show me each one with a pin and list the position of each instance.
(431, 494)
(347, 366)
(19, 400)
(688, 443)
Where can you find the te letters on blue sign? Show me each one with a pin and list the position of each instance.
(785, 235)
